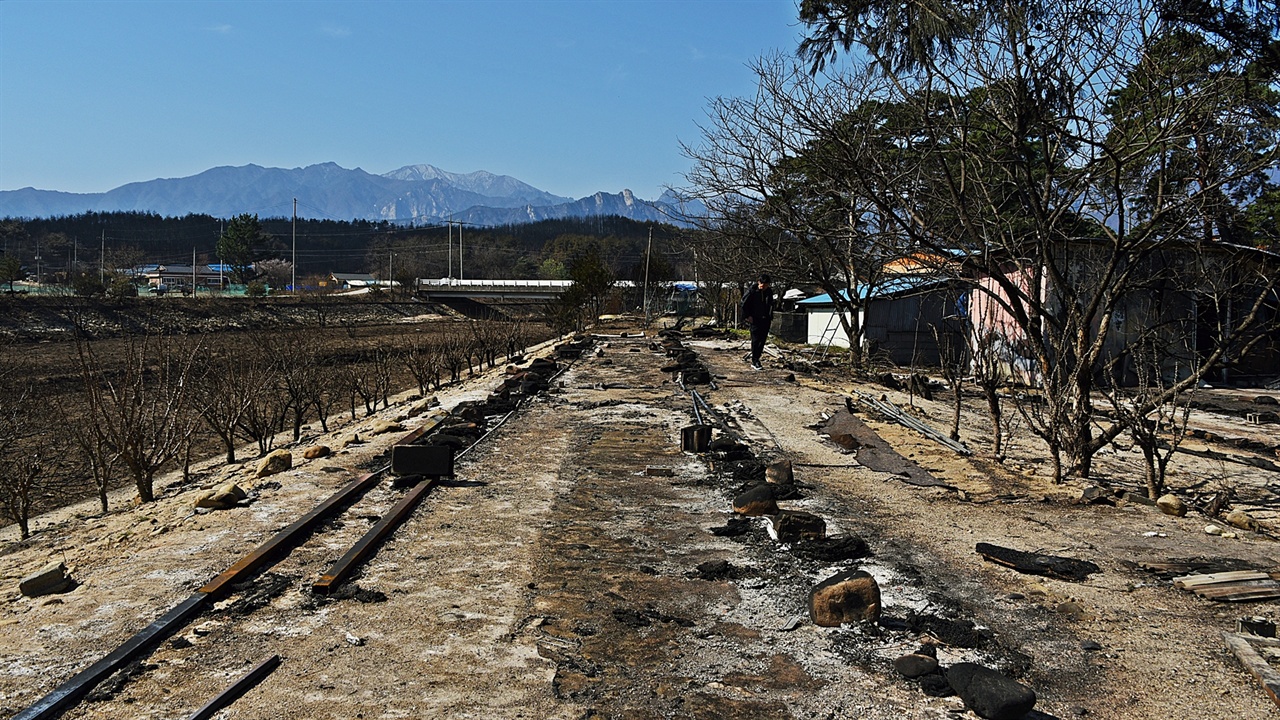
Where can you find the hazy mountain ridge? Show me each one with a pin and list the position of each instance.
(414, 193)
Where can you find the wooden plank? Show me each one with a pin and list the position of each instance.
(1246, 596)
(1255, 664)
(1189, 581)
(1225, 589)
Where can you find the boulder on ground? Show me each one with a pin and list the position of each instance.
(382, 427)
(423, 406)
(446, 440)
(847, 597)
(317, 451)
(990, 694)
(544, 365)
(1171, 504)
(779, 473)
(915, 665)
(50, 579)
(276, 462)
(1242, 520)
(793, 525)
(755, 501)
(223, 497)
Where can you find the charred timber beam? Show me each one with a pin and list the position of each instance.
(1241, 646)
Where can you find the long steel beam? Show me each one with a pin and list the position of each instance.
(367, 544)
(236, 689)
(70, 692)
(289, 536)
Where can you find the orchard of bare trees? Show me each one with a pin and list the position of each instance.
(1102, 175)
(152, 402)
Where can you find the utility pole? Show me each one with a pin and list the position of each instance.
(449, 274)
(391, 283)
(222, 286)
(294, 281)
(648, 251)
(193, 271)
(102, 260)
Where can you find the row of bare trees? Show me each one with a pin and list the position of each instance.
(1100, 173)
(151, 404)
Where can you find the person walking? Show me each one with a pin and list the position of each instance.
(757, 310)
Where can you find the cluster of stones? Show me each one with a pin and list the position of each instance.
(460, 429)
(574, 348)
(469, 418)
(683, 360)
(1169, 504)
(853, 595)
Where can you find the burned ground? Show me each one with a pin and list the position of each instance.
(583, 566)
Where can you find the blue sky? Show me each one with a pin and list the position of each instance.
(572, 97)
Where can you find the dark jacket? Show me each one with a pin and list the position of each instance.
(757, 306)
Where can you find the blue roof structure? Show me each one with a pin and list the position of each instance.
(892, 286)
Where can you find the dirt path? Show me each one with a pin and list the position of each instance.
(559, 577)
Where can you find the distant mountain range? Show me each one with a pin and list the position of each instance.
(413, 194)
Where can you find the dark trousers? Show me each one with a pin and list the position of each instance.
(759, 336)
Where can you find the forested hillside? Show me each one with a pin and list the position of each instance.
(544, 249)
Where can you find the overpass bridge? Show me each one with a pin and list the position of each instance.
(523, 290)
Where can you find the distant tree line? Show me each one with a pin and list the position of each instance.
(60, 249)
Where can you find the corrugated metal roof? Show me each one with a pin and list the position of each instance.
(891, 286)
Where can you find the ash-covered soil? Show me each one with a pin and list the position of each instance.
(581, 565)
(42, 319)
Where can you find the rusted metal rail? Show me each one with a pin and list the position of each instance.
(236, 689)
(72, 691)
(291, 535)
(346, 564)
(69, 693)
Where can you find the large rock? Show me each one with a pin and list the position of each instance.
(1242, 520)
(223, 497)
(382, 427)
(848, 597)
(990, 694)
(50, 579)
(1171, 504)
(423, 406)
(794, 525)
(779, 473)
(278, 461)
(755, 501)
(915, 665)
(317, 451)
